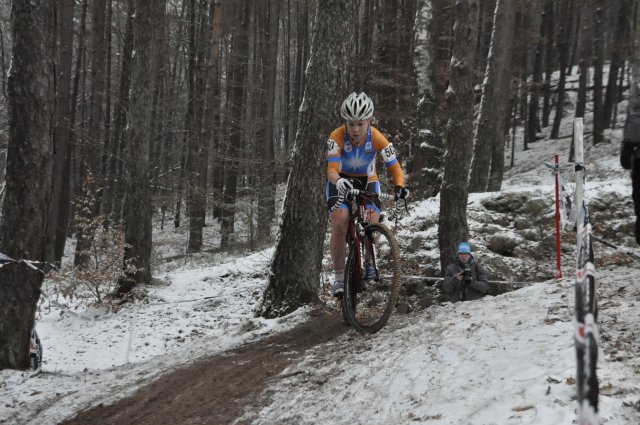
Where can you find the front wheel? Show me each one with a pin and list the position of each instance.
(377, 291)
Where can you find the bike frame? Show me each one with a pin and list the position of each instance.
(357, 224)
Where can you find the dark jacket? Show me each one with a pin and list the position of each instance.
(631, 141)
(452, 287)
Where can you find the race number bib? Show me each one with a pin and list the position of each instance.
(332, 147)
(388, 153)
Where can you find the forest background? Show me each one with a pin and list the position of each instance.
(115, 112)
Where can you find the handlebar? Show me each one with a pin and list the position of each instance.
(352, 193)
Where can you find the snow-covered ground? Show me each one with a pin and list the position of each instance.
(91, 357)
(507, 359)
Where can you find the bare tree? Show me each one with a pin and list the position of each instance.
(302, 56)
(196, 197)
(4, 66)
(635, 84)
(266, 194)
(428, 150)
(452, 222)
(564, 40)
(3, 63)
(113, 193)
(598, 60)
(533, 119)
(92, 146)
(586, 42)
(623, 8)
(25, 217)
(59, 213)
(550, 59)
(137, 209)
(489, 132)
(236, 79)
(296, 266)
(212, 112)
(98, 58)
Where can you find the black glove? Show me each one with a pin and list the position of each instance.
(401, 193)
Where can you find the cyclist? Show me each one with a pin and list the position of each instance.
(351, 158)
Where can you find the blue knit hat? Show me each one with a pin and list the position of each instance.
(464, 248)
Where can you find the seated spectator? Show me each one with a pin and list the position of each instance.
(464, 280)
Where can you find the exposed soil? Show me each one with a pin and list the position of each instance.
(215, 390)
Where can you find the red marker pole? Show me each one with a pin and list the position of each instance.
(558, 264)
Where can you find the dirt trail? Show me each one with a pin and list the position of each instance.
(216, 389)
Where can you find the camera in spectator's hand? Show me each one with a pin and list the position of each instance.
(466, 276)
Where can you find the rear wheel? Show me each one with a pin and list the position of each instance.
(368, 304)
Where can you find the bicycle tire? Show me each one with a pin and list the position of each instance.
(349, 275)
(368, 309)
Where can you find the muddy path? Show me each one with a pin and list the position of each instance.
(215, 390)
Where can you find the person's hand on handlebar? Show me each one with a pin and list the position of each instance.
(343, 185)
(401, 193)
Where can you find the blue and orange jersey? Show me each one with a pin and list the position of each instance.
(359, 161)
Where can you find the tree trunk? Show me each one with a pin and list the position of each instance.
(177, 73)
(3, 73)
(452, 222)
(107, 99)
(586, 41)
(302, 7)
(296, 266)
(391, 83)
(549, 61)
(266, 190)
(93, 145)
(237, 74)
(576, 11)
(635, 85)
(192, 139)
(138, 231)
(428, 149)
(114, 191)
(59, 213)
(98, 57)
(212, 112)
(533, 119)
(496, 171)
(489, 133)
(285, 85)
(71, 171)
(621, 34)
(25, 210)
(563, 53)
(598, 59)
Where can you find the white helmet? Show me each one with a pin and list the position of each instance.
(357, 107)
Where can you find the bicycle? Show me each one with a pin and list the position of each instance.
(367, 304)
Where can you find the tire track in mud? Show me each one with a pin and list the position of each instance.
(215, 390)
